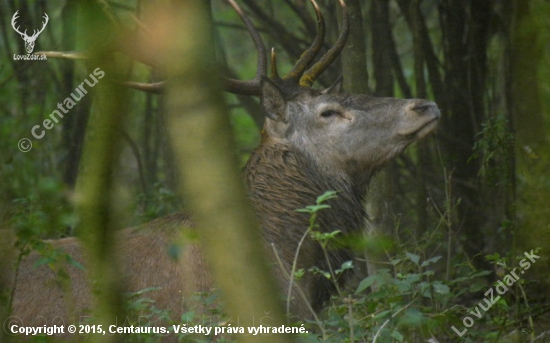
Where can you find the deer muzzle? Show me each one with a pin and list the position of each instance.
(421, 119)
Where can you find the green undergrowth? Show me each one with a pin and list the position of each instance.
(419, 294)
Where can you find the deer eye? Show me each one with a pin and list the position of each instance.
(329, 113)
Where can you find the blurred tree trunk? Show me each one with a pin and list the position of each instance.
(423, 154)
(528, 102)
(74, 125)
(354, 64)
(199, 128)
(381, 47)
(354, 55)
(95, 197)
(96, 203)
(527, 53)
(381, 192)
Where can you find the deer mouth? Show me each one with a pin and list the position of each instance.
(424, 130)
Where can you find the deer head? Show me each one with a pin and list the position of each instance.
(345, 134)
(29, 40)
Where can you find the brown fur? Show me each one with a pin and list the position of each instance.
(144, 260)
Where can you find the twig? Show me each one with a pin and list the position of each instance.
(388, 320)
(301, 293)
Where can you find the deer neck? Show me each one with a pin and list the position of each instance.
(281, 180)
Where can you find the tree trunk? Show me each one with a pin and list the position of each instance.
(204, 148)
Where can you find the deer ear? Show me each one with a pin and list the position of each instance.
(336, 86)
(272, 100)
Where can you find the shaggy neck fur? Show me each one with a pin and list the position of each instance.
(280, 180)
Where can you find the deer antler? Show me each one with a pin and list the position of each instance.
(29, 40)
(309, 77)
(35, 33)
(251, 87)
(296, 74)
(43, 26)
(307, 57)
(13, 23)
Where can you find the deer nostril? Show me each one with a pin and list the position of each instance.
(427, 107)
(422, 108)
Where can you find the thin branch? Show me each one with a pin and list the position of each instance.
(276, 29)
(299, 7)
(135, 151)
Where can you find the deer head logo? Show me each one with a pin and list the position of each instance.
(29, 40)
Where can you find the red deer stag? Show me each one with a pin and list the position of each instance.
(312, 142)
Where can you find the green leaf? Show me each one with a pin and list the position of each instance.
(399, 337)
(407, 282)
(312, 208)
(347, 265)
(477, 286)
(430, 261)
(396, 261)
(481, 273)
(366, 283)
(425, 290)
(303, 210)
(326, 196)
(316, 270)
(42, 261)
(493, 257)
(324, 236)
(74, 263)
(382, 314)
(441, 288)
(413, 257)
(412, 317)
(299, 273)
(316, 208)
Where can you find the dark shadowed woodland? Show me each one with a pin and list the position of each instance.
(450, 218)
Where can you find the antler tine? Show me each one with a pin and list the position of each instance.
(249, 87)
(14, 22)
(308, 56)
(260, 47)
(242, 87)
(309, 76)
(44, 23)
(274, 71)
